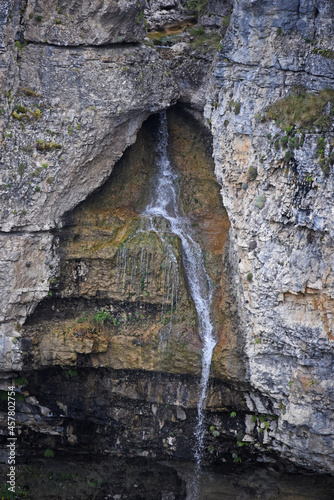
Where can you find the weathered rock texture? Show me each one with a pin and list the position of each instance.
(113, 263)
(161, 15)
(188, 47)
(279, 200)
(67, 116)
(84, 22)
(70, 106)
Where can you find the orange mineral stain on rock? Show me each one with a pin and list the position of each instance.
(311, 309)
(111, 263)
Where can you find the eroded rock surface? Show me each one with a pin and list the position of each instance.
(84, 22)
(277, 186)
(72, 100)
(74, 111)
(121, 296)
(67, 115)
(162, 14)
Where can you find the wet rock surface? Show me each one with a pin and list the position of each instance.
(98, 412)
(121, 296)
(247, 483)
(67, 115)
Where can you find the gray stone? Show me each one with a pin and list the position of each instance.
(91, 104)
(85, 22)
(286, 312)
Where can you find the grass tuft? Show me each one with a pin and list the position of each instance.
(303, 110)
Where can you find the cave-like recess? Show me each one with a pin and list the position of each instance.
(111, 355)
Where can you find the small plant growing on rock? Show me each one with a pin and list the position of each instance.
(236, 458)
(252, 173)
(72, 373)
(20, 44)
(237, 107)
(101, 316)
(284, 140)
(321, 145)
(303, 110)
(29, 92)
(249, 277)
(294, 143)
(288, 156)
(21, 113)
(329, 54)
(49, 453)
(21, 168)
(214, 432)
(325, 166)
(20, 381)
(260, 201)
(46, 146)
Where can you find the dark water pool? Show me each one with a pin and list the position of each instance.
(257, 483)
(141, 479)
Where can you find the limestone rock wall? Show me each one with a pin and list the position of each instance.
(84, 22)
(69, 108)
(76, 85)
(277, 185)
(161, 14)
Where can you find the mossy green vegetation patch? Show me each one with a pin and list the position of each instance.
(304, 110)
(204, 40)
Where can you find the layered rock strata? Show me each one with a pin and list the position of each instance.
(277, 187)
(75, 92)
(72, 102)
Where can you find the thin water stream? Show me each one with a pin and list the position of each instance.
(165, 204)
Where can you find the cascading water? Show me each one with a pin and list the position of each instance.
(165, 204)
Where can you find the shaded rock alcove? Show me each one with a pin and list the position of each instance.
(113, 356)
(121, 299)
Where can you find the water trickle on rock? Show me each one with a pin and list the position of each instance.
(164, 204)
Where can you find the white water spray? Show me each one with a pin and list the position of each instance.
(165, 204)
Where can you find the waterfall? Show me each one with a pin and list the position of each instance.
(165, 204)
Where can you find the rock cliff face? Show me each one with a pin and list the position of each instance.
(96, 314)
(277, 187)
(68, 113)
